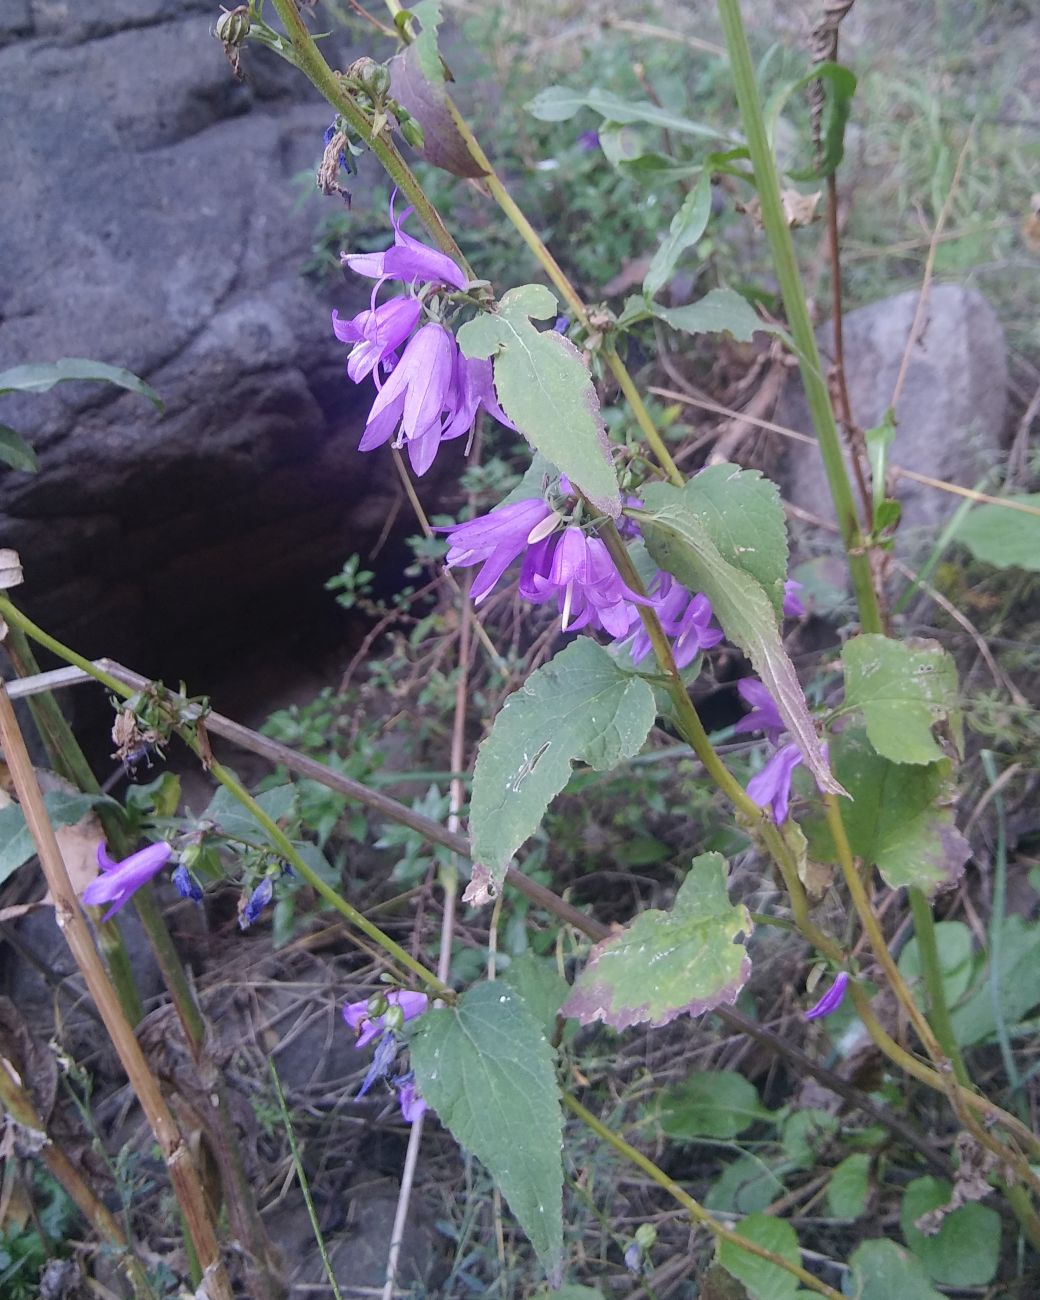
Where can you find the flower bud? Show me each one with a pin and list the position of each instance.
(377, 1005)
(233, 25)
(646, 1235)
(376, 80)
(394, 1018)
(412, 132)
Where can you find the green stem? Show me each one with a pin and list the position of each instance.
(786, 266)
(186, 729)
(696, 1211)
(939, 1011)
(310, 60)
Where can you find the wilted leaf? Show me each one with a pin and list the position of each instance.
(965, 1249)
(883, 1271)
(41, 376)
(688, 225)
(668, 964)
(487, 1069)
(764, 1280)
(1002, 537)
(579, 706)
(903, 689)
(711, 1103)
(899, 819)
(545, 388)
(679, 541)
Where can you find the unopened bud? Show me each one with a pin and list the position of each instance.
(646, 1235)
(394, 1018)
(376, 80)
(412, 132)
(233, 25)
(377, 1005)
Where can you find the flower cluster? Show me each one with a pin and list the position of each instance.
(391, 1011)
(427, 391)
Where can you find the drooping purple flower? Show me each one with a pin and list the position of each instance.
(409, 1098)
(634, 1257)
(407, 259)
(583, 581)
(256, 903)
(495, 540)
(685, 617)
(357, 1017)
(473, 387)
(186, 886)
(794, 606)
(771, 788)
(119, 880)
(587, 140)
(764, 715)
(832, 999)
(415, 398)
(382, 1060)
(376, 334)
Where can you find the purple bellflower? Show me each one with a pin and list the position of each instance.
(409, 1098)
(357, 1017)
(495, 540)
(577, 572)
(794, 606)
(588, 140)
(377, 334)
(771, 788)
(186, 886)
(764, 715)
(382, 1060)
(832, 999)
(416, 396)
(685, 617)
(407, 259)
(119, 880)
(258, 900)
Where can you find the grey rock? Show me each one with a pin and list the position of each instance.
(952, 411)
(152, 221)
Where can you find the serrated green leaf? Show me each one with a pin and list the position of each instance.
(903, 689)
(16, 843)
(428, 12)
(711, 1103)
(687, 226)
(720, 311)
(579, 706)
(884, 1271)
(539, 985)
(744, 516)
(966, 1249)
(234, 821)
(1002, 537)
(1018, 985)
(668, 964)
(763, 1280)
(39, 377)
(559, 103)
(680, 542)
(956, 959)
(487, 1069)
(16, 452)
(848, 1187)
(899, 819)
(545, 388)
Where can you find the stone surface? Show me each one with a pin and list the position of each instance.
(152, 221)
(951, 414)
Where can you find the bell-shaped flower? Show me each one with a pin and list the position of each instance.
(186, 885)
(588, 589)
(474, 387)
(356, 1014)
(382, 1060)
(832, 999)
(415, 397)
(409, 1098)
(119, 880)
(407, 259)
(495, 540)
(771, 788)
(764, 715)
(794, 606)
(249, 909)
(686, 618)
(376, 335)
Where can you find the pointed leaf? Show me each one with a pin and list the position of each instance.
(42, 376)
(904, 689)
(540, 987)
(899, 820)
(545, 388)
(719, 311)
(680, 542)
(1004, 537)
(762, 1279)
(744, 516)
(16, 452)
(882, 1271)
(579, 706)
(487, 1069)
(688, 225)
(668, 964)
(559, 103)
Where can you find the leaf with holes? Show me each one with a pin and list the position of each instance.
(903, 689)
(900, 819)
(579, 706)
(668, 964)
(679, 540)
(488, 1071)
(545, 388)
